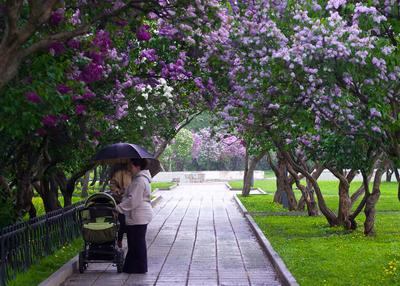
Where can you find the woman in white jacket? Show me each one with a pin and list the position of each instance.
(136, 207)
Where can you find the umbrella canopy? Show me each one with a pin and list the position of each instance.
(122, 152)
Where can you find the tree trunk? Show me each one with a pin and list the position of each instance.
(329, 215)
(389, 173)
(70, 184)
(301, 205)
(9, 64)
(312, 206)
(344, 205)
(283, 184)
(48, 191)
(307, 192)
(251, 163)
(370, 204)
(396, 172)
(93, 183)
(344, 210)
(104, 175)
(24, 194)
(85, 185)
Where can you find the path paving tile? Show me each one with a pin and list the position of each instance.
(197, 237)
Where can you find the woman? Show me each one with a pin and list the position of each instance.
(136, 207)
(121, 178)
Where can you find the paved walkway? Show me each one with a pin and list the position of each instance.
(197, 237)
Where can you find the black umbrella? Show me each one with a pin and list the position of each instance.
(122, 152)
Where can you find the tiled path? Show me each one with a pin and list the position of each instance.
(197, 237)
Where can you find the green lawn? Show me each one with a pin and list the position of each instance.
(45, 267)
(161, 185)
(261, 203)
(387, 201)
(269, 174)
(319, 255)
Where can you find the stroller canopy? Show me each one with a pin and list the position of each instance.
(102, 199)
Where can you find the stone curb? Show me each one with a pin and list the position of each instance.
(253, 189)
(156, 200)
(173, 187)
(284, 274)
(242, 208)
(262, 191)
(59, 277)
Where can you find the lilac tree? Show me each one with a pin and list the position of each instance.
(126, 76)
(217, 149)
(291, 70)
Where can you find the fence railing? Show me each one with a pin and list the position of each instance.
(22, 244)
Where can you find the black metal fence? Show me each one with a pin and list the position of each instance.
(22, 244)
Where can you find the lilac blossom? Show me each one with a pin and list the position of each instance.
(63, 89)
(33, 97)
(57, 16)
(143, 33)
(50, 120)
(80, 109)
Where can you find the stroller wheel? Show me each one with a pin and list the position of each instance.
(120, 260)
(81, 263)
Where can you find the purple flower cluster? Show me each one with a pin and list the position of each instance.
(176, 70)
(102, 41)
(149, 54)
(143, 33)
(57, 16)
(63, 89)
(50, 120)
(80, 109)
(57, 48)
(91, 73)
(74, 44)
(33, 97)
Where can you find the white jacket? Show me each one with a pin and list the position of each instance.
(135, 204)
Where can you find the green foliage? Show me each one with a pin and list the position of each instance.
(45, 267)
(200, 122)
(179, 152)
(7, 214)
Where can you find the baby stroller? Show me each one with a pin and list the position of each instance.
(99, 228)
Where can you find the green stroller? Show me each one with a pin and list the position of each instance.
(99, 227)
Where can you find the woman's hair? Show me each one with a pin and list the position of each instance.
(142, 163)
(120, 177)
(118, 167)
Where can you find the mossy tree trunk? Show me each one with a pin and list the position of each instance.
(370, 204)
(250, 165)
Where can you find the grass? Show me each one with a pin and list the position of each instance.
(317, 254)
(261, 203)
(269, 174)
(161, 185)
(48, 265)
(387, 201)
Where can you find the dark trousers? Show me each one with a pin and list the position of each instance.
(121, 229)
(136, 258)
